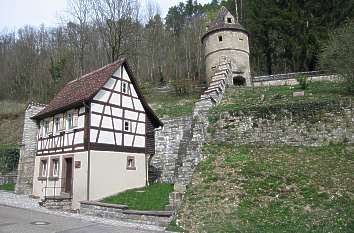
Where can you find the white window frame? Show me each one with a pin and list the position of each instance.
(127, 124)
(124, 87)
(56, 167)
(57, 130)
(70, 120)
(43, 167)
(45, 128)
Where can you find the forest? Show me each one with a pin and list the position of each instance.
(285, 36)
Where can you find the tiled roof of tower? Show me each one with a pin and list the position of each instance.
(76, 92)
(219, 23)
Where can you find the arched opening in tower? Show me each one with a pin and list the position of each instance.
(239, 81)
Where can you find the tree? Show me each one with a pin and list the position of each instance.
(115, 19)
(338, 54)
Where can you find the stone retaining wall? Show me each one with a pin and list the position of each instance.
(260, 82)
(8, 178)
(169, 142)
(122, 213)
(312, 125)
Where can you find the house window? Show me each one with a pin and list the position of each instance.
(69, 120)
(43, 168)
(125, 87)
(55, 167)
(57, 124)
(46, 128)
(127, 126)
(220, 38)
(229, 20)
(131, 163)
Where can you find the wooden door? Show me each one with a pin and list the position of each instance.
(68, 175)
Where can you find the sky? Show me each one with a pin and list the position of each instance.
(17, 13)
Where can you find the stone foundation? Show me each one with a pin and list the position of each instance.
(122, 213)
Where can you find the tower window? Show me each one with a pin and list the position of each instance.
(229, 20)
(220, 38)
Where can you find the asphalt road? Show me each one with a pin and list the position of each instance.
(16, 220)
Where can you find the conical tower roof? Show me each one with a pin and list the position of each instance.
(219, 24)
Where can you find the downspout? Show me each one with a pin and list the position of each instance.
(88, 125)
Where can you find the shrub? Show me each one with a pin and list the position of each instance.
(9, 156)
(338, 54)
(303, 81)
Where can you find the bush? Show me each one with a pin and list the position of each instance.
(303, 81)
(9, 156)
(338, 54)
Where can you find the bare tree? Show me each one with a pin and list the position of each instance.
(78, 27)
(115, 19)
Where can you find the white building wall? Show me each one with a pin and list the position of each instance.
(109, 173)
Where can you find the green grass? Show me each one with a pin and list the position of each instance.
(272, 189)
(238, 99)
(153, 197)
(171, 105)
(174, 227)
(7, 187)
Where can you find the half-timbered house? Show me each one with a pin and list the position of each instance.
(95, 137)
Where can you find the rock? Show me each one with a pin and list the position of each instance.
(299, 94)
(180, 188)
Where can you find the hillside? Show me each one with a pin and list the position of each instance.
(11, 122)
(271, 189)
(252, 181)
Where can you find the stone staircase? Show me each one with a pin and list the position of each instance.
(189, 154)
(62, 203)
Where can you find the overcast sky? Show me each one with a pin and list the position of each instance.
(16, 13)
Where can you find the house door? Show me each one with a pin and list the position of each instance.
(68, 175)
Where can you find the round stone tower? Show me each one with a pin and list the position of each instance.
(226, 41)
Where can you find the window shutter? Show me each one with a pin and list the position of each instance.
(75, 118)
(62, 122)
(50, 130)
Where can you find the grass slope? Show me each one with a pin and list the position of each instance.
(272, 189)
(170, 105)
(153, 197)
(244, 98)
(11, 122)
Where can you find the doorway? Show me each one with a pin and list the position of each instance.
(68, 175)
(239, 81)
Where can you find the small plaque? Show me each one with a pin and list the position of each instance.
(299, 94)
(77, 164)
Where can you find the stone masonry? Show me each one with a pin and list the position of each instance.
(179, 143)
(312, 126)
(28, 151)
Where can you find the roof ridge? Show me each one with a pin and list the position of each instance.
(98, 70)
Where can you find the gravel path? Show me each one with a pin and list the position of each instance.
(23, 201)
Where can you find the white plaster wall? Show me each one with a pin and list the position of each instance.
(109, 174)
(80, 180)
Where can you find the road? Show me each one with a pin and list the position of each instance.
(17, 220)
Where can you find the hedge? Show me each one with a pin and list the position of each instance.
(9, 156)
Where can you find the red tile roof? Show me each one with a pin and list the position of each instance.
(76, 92)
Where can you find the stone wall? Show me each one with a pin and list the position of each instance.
(10, 177)
(310, 124)
(28, 151)
(287, 81)
(169, 144)
(122, 213)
